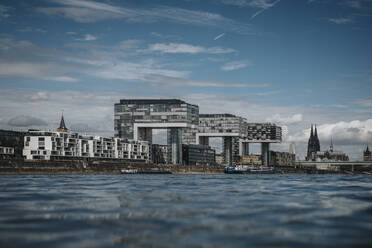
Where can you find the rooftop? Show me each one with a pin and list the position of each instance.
(215, 115)
(151, 101)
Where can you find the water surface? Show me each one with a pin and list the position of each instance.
(186, 211)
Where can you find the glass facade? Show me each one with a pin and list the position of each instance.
(129, 112)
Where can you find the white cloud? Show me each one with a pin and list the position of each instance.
(235, 65)
(186, 48)
(29, 29)
(356, 4)
(62, 79)
(143, 71)
(90, 11)
(88, 37)
(220, 84)
(343, 133)
(44, 71)
(340, 20)
(363, 102)
(176, 48)
(219, 36)
(26, 121)
(40, 96)
(4, 11)
(262, 4)
(127, 44)
(96, 109)
(120, 62)
(286, 120)
(26, 69)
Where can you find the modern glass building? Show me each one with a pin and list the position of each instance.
(131, 111)
(135, 119)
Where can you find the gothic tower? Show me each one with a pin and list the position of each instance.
(316, 141)
(313, 145)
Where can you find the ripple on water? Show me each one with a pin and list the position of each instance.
(185, 211)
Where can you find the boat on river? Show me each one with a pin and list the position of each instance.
(240, 169)
(129, 171)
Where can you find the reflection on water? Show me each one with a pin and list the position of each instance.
(186, 211)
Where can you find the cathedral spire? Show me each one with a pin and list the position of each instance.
(331, 147)
(316, 140)
(311, 133)
(62, 125)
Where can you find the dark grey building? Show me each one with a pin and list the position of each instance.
(159, 154)
(13, 139)
(198, 154)
(236, 134)
(135, 119)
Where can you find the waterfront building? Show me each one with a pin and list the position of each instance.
(236, 134)
(14, 140)
(251, 160)
(219, 158)
(367, 155)
(159, 154)
(330, 155)
(135, 119)
(314, 153)
(313, 144)
(49, 145)
(198, 154)
(282, 158)
(62, 145)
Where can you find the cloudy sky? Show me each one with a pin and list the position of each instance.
(292, 62)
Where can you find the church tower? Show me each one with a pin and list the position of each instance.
(313, 145)
(367, 155)
(316, 141)
(62, 126)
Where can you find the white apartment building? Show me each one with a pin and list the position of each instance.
(47, 145)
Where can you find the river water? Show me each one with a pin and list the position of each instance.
(186, 211)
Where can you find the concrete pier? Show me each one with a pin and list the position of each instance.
(174, 138)
(227, 148)
(265, 148)
(243, 148)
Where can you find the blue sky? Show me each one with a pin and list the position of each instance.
(289, 62)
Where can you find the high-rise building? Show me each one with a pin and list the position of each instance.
(157, 113)
(313, 144)
(136, 118)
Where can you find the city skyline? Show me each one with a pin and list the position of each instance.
(289, 62)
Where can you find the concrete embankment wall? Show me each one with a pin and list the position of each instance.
(302, 170)
(326, 168)
(20, 166)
